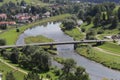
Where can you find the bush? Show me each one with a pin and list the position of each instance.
(2, 42)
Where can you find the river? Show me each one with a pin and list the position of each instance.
(52, 30)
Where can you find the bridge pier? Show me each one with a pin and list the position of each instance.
(99, 43)
(51, 46)
(75, 46)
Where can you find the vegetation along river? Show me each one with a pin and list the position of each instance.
(52, 30)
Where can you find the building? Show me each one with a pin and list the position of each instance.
(3, 16)
(0, 76)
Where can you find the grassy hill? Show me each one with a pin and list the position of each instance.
(32, 2)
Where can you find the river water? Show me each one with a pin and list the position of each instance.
(96, 71)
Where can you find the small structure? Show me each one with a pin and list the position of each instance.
(0, 76)
(47, 14)
(3, 16)
(79, 22)
(108, 37)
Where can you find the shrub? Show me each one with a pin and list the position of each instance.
(2, 42)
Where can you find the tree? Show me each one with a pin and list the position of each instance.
(69, 64)
(2, 42)
(90, 35)
(88, 19)
(14, 55)
(114, 23)
(70, 72)
(96, 20)
(80, 74)
(32, 76)
(10, 76)
(119, 13)
(81, 14)
(68, 24)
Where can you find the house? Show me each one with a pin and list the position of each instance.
(7, 23)
(3, 16)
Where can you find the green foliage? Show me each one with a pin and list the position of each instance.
(10, 76)
(75, 33)
(90, 35)
(89, 19)
(32, 76)
(39, 59)
(68, 24)
(70, 72)
(2, 42)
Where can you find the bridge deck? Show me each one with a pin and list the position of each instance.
(55, 43)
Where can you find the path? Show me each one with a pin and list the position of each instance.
(106, 52)
(13, 67)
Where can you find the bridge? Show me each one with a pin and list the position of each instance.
(54, 43)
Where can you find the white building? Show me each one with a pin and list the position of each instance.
(0, 76)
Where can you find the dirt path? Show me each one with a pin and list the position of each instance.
(107, 52)
(13, 67)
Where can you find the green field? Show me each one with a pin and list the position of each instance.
(11, 35)
(75, 33)
(100, 57)
(111, 47)
(4, 69)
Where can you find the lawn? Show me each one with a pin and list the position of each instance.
(4, 69)
(111, 47)
(11, 35)
(100, 57)
(86, 26)
(75, 33)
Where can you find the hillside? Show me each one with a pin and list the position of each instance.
(37, 2)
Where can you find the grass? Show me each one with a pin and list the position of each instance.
(111, 47)
(37, 39)
(59, 60)
(11, 35)
(100, 57)
(4, 69)
(86, 26)
(75, 33)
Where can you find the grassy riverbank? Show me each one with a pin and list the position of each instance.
(108, 60)
(11, 35)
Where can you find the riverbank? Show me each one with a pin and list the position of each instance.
(11, 35)
(107, 60)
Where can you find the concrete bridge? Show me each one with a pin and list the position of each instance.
(55, 43)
